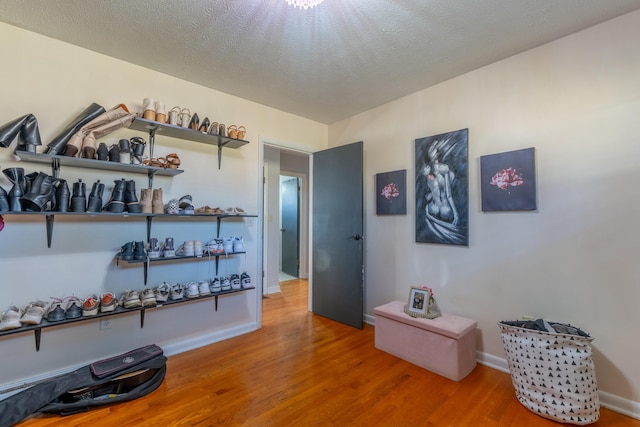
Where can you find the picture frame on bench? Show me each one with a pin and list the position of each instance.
(418, 304)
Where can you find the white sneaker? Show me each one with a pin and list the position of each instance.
(11, 318)
(33, 313)
(203, 288)
(162, 293)
(154, 249)
(245, 279)
(167, 250)
(227, 245)
(238, 244)
(176, 292)
(211, 247)
(216, 285)
(235, 282)
(148, 298)
(193, 290)
(226, 284)
(197, 248)
(131, 299)
(185, 249)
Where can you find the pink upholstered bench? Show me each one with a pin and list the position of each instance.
(445, 345)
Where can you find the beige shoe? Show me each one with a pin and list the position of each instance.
(157, 204)
(33, 313)
(11, 318)
(161, 112)
(75, 143)
(146, 200)
(149, 109)
(174, 116)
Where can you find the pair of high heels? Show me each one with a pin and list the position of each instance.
(195, 124)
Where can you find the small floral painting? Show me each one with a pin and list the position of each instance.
(508, 181)
(391, 193)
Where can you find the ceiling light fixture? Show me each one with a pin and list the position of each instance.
(304, 4)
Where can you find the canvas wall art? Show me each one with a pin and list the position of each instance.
(508, 181)
(442, 188)
(391, 193)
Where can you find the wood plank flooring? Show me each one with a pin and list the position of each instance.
(304, 370)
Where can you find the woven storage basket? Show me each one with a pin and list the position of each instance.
(553, 373)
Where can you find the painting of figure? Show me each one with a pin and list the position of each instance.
(442, 188)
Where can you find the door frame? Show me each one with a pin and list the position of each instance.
(264, 239)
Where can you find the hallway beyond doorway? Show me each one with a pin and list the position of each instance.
(284, 277)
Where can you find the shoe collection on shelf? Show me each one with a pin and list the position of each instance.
(182, 117)
(155, 250)
(77, 146)
(39, 192)
(73, 308)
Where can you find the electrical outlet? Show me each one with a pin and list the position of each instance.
(105, 324)
(250, 222)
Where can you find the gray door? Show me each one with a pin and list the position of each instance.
(290, 231)
(337, 234)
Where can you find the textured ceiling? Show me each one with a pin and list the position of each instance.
(327, 63)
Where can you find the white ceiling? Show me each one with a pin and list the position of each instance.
(327, 63)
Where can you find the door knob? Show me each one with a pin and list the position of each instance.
(356, 237)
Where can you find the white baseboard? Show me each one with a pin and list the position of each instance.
(615, 403)
(272, 289)
(9, 389)
(369, 319)
(201, 341)
(619, 404)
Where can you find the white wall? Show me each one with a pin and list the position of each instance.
(271, 223)
(55, 81)
(577, 100)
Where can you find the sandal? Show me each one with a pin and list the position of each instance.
(173, 161)
(232, 132)
(241, 132)
(235, 211)
(159, 162)
(185, 201)
(213, 129)
(185, 117)
(173, 116)
(209, 210)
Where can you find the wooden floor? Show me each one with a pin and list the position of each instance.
(305, 370)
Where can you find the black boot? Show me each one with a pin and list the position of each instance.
(137, 150)
(130, 198)
(79, 197)
(95, 198)
(62, 196)
(103, 152)
(139, 253)
(41, 193)
(16, 176)
(27, 128)
(58, 144)
(4, 200)
(28, 179)
(125, 151)
(114, 153)
(126, 252)
(116, 203)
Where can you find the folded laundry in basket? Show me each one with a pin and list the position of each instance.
(547, 326)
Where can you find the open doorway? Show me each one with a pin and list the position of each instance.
(289, 228)
(285, 236)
